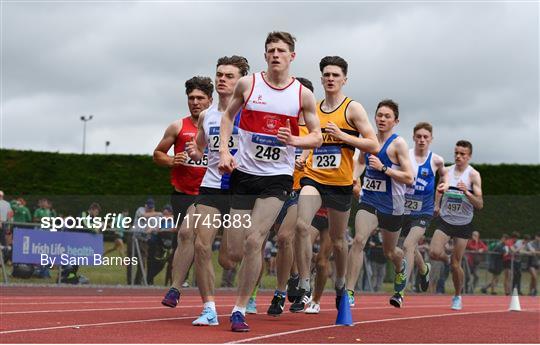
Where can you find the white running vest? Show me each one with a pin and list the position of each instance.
(456, 209)
(265, 111)
(211, 126)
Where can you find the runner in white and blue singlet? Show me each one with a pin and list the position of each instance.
(382, 200)
(420, 199)
(213, 203)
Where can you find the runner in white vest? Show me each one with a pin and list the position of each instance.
(460, 196)
(261, 178)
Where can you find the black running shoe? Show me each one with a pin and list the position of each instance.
(396, 300)
(424, 278)
(277, 305)
(339, 293)
(292, 288)
(303, 298)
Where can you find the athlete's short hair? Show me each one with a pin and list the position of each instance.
(334, 61)
(465, 143)
(390, 104)
(200, 83)
(306, 82)
(423, 125)
(239, 62)
(276, 36)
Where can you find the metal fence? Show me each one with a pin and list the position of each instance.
(481, 269)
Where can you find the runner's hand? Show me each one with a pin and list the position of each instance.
(226, 163)
(179, 158)
(333, 130)
(193, 151)
(284, 134)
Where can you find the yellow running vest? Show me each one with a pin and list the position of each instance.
(332, 163)
(298, 174)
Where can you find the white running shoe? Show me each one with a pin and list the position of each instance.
(313, 308)
(208, 317)
(456, 303)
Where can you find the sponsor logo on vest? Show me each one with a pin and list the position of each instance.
(259, 100)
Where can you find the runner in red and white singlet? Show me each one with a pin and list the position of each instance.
(186, 177)
(262, 168)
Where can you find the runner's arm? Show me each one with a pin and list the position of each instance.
(476, 197)
(314, 138)
(405, 172)
(200, 140)
(160, 152)
(234, 106)
(368, 141)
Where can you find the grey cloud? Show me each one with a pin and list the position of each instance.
(470, 69)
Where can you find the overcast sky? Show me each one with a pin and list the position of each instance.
(471, 69)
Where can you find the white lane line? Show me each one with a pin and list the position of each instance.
(363, 322)
(182, 318)
(180, 307)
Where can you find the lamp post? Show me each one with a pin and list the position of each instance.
(107, 143)
(85, 119)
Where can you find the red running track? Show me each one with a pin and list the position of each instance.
(91, 315)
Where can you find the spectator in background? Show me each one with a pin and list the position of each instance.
(139, 234)
(440, 284)
(495, 266)
(6, 213)
(93, 211)
(267, 255)
(50, 207)
(377, 259)
(119, 236)
(70, 273)
(533, 251)
(507, 262)
(475, 246)
(515, 245)
(43, 210)
(160, 243)
(21, 213)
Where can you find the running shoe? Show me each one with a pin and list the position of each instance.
(277, 305)
(351, 297)
(400, 280)
(301, 301)
(292, 288)
(251, 307)
(313, 308)
(238, 322)
(456, 303)
(424, 278)
(171, 298)
(208, 317)
(341, 292)
(396, 300)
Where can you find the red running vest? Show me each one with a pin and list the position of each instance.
(187, 177)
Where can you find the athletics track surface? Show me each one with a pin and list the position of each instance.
(116, 315)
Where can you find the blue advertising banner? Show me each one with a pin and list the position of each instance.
(56, 248)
